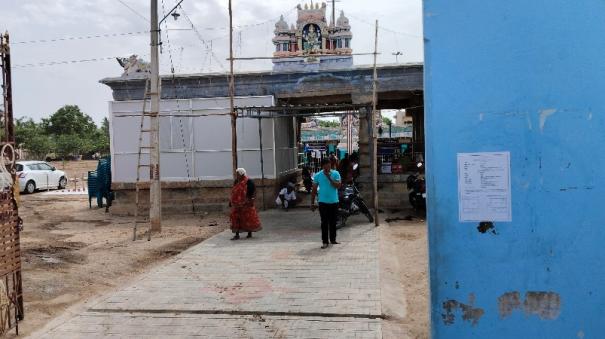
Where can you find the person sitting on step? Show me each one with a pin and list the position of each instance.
(287, 197)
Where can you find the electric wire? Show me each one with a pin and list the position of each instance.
(199, 36)
(85, 37)
(175, 93)
(134, 11)
(207, 42)
(63, 62)
(384, 28)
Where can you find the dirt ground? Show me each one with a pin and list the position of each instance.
(410, 240)
(76, 170)
(71, 253)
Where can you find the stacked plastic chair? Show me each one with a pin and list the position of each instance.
(92, 186)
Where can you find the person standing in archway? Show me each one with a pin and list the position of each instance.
(327, 183)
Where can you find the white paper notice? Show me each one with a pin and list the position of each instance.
(484, 187)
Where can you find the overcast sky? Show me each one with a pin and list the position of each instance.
(40, 89)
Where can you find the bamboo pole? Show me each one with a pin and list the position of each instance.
(262, 160)
(231, 96)
(374, 134)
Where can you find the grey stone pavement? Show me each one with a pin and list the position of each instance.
(279, 284)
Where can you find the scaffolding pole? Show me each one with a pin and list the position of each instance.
(262, 160)
(231, 96)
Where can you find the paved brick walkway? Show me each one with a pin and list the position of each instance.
(279, 284)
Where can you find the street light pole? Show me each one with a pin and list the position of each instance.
(155, 191)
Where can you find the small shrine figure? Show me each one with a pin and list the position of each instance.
(312, 39)
(313, 43)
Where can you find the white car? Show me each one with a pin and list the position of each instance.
(35, 175)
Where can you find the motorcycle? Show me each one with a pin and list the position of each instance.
(417, 190)
(350, 203)
(307, 179)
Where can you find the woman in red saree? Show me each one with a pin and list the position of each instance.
(243, 213)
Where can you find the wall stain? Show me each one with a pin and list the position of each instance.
(508, 302)
(546, 305)
(568, 189)
(540, 160)
(469, 312)
(487, 226)
(544, 115)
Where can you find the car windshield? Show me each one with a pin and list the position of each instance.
(19, 168)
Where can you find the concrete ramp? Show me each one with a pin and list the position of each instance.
(279, 284)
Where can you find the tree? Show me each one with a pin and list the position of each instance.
(328, 124)
(31, 136)
(387, 121)
(68, 145)
(69, 120)
(103, 144)
(74, 132)
(68, 132)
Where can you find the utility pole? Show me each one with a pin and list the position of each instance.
(374, 121)
(155, 190)
(231, 96)
(334, 12)
(9, 134)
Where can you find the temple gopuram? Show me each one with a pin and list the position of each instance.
(312, 44)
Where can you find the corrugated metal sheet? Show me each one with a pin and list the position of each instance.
(199, 146)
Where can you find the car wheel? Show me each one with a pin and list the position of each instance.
(62, 183)
(30, 187)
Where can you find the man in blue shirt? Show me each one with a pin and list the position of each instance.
(328, 182)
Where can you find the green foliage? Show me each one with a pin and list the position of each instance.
(328, 124)
(387, 121)
(103, 138)
(69, 145)
(69, 120)
(68, 132)
(31, 136)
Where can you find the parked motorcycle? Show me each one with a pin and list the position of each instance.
(351, 203)
(417, 190)
(307, 179)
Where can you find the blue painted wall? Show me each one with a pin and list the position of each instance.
(526, 77)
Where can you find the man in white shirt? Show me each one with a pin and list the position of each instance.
(287, 197)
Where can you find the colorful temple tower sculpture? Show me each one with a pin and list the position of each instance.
(312, 44)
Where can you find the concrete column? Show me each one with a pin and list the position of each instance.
(418, 126)
(365, 150)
